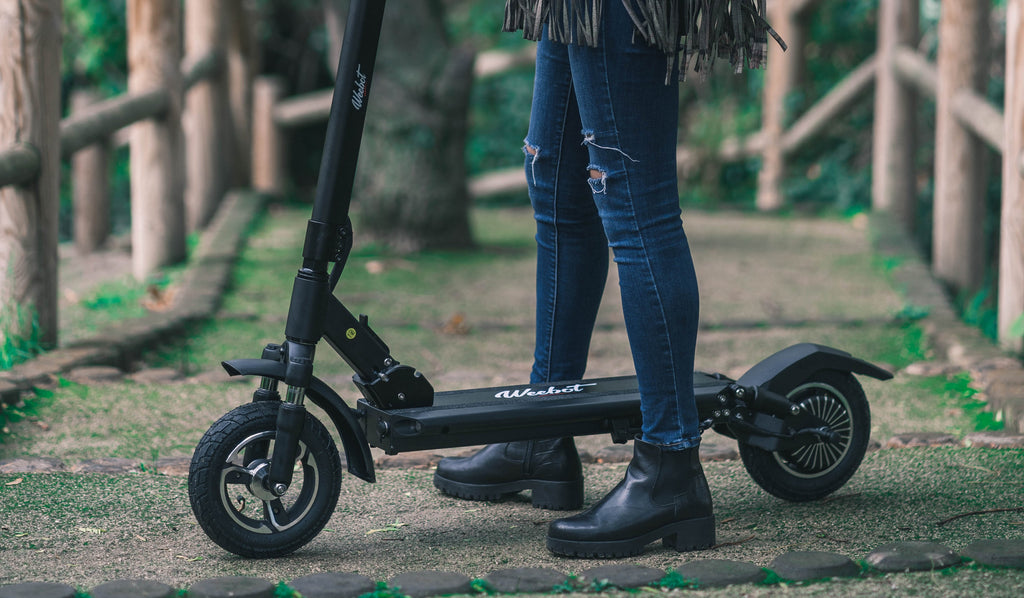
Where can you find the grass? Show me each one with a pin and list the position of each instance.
(113, 301)
(141, 526)
(411, 298)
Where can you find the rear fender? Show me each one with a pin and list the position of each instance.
(353, 440)
(790, 367)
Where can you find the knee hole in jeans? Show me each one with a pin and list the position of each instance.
(598, 179)
(533, 152)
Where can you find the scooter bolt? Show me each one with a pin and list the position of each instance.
(725, 413)
(740, 393)
(722, 398)
(794, 409)
(280, 489)
(716, 413)
(401, 396)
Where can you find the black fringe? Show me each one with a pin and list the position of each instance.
(692, 33)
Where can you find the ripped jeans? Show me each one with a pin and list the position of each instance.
(601, 169)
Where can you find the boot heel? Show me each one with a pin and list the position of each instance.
(694, 534)
(557, 496)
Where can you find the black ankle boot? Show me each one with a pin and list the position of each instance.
(549, 468)
(663, 496)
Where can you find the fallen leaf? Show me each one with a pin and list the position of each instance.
(456, 325)
(391, 527)
(15, 482)
(158, 299)
(92, 530)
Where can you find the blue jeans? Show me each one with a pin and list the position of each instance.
(601, 169)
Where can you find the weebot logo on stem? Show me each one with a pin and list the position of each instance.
(359, 91)
(518, 393)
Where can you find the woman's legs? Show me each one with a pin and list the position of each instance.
(572, 251)
(572, 267)
(629, 121)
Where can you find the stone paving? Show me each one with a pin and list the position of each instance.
(796, 566)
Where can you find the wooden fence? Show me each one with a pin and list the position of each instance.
(965, 124)
(188, 117)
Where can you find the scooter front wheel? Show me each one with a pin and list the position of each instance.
(819, 467)
(229, 496)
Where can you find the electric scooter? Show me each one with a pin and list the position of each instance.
(265, 478)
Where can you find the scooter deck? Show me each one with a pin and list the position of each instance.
(524, 412)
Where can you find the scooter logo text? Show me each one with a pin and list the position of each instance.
(359, 93)
(551, 390)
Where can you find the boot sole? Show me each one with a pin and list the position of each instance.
(556, 496)
(684, 536)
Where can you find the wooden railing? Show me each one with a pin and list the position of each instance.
(966, 123)
(180, 167)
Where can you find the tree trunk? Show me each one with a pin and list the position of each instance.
(411, 183)
(30, 114)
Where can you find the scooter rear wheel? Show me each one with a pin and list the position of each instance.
(817, 468)
(230, 499)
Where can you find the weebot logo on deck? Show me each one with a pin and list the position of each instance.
(517, 393)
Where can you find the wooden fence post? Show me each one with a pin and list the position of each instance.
(30, 114)
(1011, 239)
(957, 239)
(780, 78)
(267, 138)
(240, 68)
(205, 120)
(90, 185)
(894, 137)
(154, 62)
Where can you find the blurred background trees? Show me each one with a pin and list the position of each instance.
(431, 125)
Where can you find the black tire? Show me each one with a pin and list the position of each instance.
(817, 469)
(231, 504)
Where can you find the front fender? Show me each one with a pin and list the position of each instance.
(788, 368)
(353, 440)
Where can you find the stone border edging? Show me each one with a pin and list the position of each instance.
(790, 567)
(995, 372)
(207, 275)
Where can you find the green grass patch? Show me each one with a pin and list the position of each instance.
(19, 336)
(957, 393)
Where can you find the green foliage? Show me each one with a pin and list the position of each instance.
(960, 394)
(383, 591)
(499, 118)
(674, 580)
(481, 586)
(981, 312)
(771, 578)
(19, 335)
(570, 585)
(95, 43)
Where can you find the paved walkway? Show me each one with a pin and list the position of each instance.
(766, 282)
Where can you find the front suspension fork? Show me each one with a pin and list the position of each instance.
(291, 415)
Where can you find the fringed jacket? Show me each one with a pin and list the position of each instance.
(687, 31)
